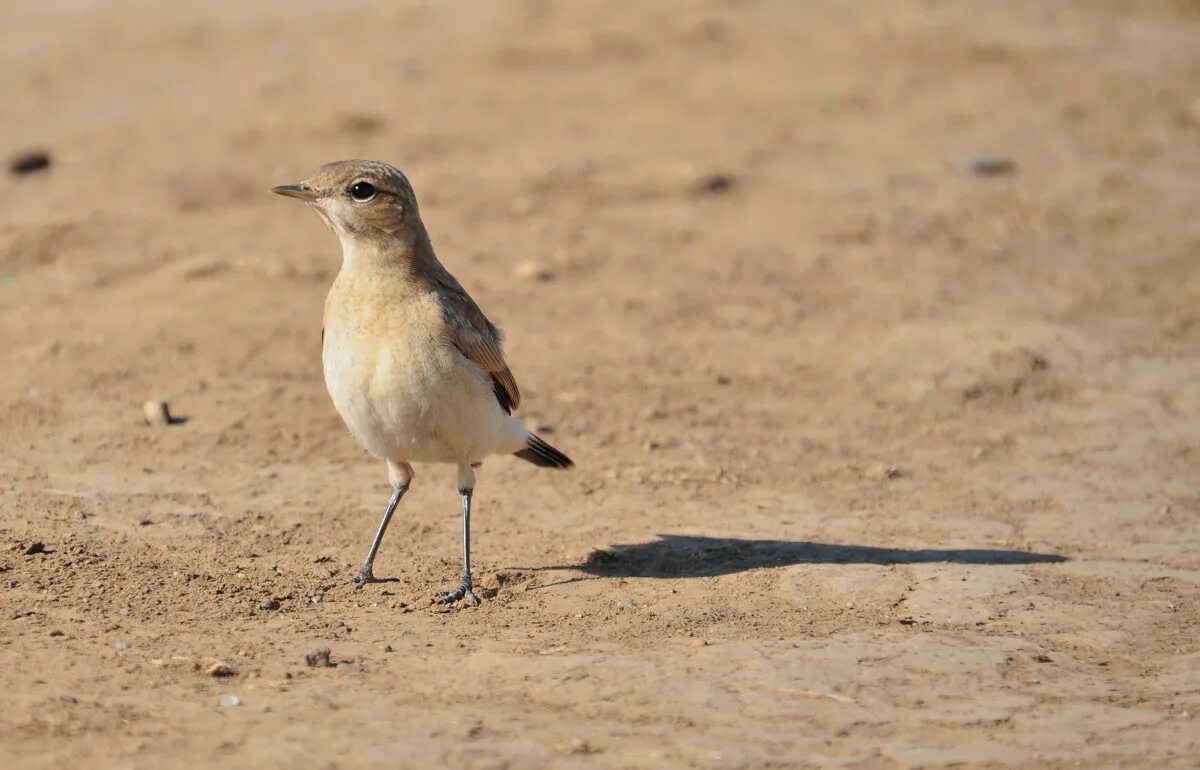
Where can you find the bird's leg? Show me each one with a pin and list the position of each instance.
(466, 486)
(365, 575)
(401, 475)
(465, 585)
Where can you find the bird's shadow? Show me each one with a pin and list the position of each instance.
(685, 556)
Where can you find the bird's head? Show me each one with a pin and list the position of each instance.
(360, 199)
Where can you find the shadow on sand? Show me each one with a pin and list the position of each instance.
(684, 556)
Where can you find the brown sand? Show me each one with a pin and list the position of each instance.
(889, 464)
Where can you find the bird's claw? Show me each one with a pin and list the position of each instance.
(364, 576)
(463, 593)
(466, 595)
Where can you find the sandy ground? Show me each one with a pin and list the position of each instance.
(882, 463)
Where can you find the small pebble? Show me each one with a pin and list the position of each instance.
(270, 604)
(220, 669)
(363, 124)
(699, 643)
(35, 548)
(580, 746)
(599, 556)
(121, 645)
(230, 700)
(529, 269)
(156, 413)
(715, 183)
(627, 604)
(29, 162)
(987, 165)
(318, 658)
(883, 472)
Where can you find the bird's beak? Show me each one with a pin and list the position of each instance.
(301, 191)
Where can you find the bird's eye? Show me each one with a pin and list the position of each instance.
(362, 191)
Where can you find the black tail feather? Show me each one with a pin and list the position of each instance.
(543, 455)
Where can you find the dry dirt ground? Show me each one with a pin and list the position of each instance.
(882, 462)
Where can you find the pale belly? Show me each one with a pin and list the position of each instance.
(415, 401)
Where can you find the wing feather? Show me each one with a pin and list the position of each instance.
(478, 339)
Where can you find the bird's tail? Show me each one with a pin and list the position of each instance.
(542, 454)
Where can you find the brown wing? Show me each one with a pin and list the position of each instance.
(478, 339)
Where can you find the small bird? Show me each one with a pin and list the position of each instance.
(414, 367)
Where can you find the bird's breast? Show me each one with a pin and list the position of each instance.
(381, 381)
(402, 389)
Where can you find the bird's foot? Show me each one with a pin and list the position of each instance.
(463, 592)
(365, 575)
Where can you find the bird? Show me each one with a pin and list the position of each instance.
(413, 366)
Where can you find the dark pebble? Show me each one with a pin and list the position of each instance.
(318, 658)
(988, 165)
(29, 162)
(716, 183)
